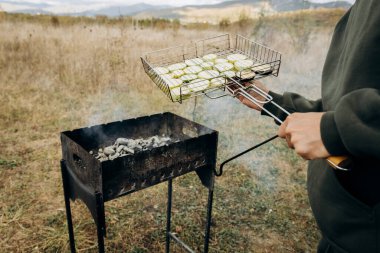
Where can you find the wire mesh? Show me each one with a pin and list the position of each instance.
(221, 46)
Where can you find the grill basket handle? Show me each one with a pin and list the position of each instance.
(220, 172)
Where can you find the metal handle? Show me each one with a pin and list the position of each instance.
(344, 163)
(218, 174)
(215, 97)
(337, 162)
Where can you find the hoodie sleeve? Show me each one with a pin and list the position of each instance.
(291, 102)
(354, 126)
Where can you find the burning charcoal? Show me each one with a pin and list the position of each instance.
(132, 143)
(155, 139)
(165, 139)
(129, 150)
(120, 148)
(125, 146)
(122, 141)
(109, 150)
(112, 157)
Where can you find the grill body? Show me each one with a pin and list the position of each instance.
(194, 148)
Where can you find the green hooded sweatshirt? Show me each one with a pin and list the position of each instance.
(346, 205)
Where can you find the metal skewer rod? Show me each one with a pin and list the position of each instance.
(334, 161)
(260, 103)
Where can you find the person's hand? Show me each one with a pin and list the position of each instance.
(254, 94)
(302, 133)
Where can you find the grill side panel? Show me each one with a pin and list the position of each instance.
(81, 163)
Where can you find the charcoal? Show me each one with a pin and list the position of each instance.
(120, 148)
(129, 150)
(112, 157)
(109, 150)
(122, 141)
(125, 146)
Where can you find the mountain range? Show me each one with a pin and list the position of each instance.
(166, 11)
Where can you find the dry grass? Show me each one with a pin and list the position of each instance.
(58, 78)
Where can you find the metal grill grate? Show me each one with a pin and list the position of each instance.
(221, 46)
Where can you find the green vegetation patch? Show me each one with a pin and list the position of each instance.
(8, 164)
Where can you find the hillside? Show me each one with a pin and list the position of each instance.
(211, 13)
(234, 10)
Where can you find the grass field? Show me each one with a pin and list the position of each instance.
(59, 77)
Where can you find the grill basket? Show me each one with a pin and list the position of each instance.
(222, 46)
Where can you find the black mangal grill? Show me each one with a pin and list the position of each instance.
(193, 147)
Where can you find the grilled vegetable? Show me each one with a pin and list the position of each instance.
(220, 60)
(222, 67)
(246, 74)
(192, 70)
(177, 66)
(236, 57)
(193, 62)
(262, 68)
(177, 73)
(210, 57)
(217, 82)
(188, 77)
(199, 85)
(173, 83)
(183, 91)
(161, 70)
(207, 65)
(167, 76)
(229, 73)
(243, 64)
(208, 74)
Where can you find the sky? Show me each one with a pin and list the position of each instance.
(124, 2)
(78, 6)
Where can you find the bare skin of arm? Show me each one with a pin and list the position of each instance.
(300, 130)
(255, 95)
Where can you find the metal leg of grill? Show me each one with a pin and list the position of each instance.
(100, 229)
(209, 215)
(169, 214)
(68, 208)
(170, 235)
(100, 239)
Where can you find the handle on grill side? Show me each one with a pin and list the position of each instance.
(218, 174)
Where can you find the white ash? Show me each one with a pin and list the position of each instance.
(125, 146)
